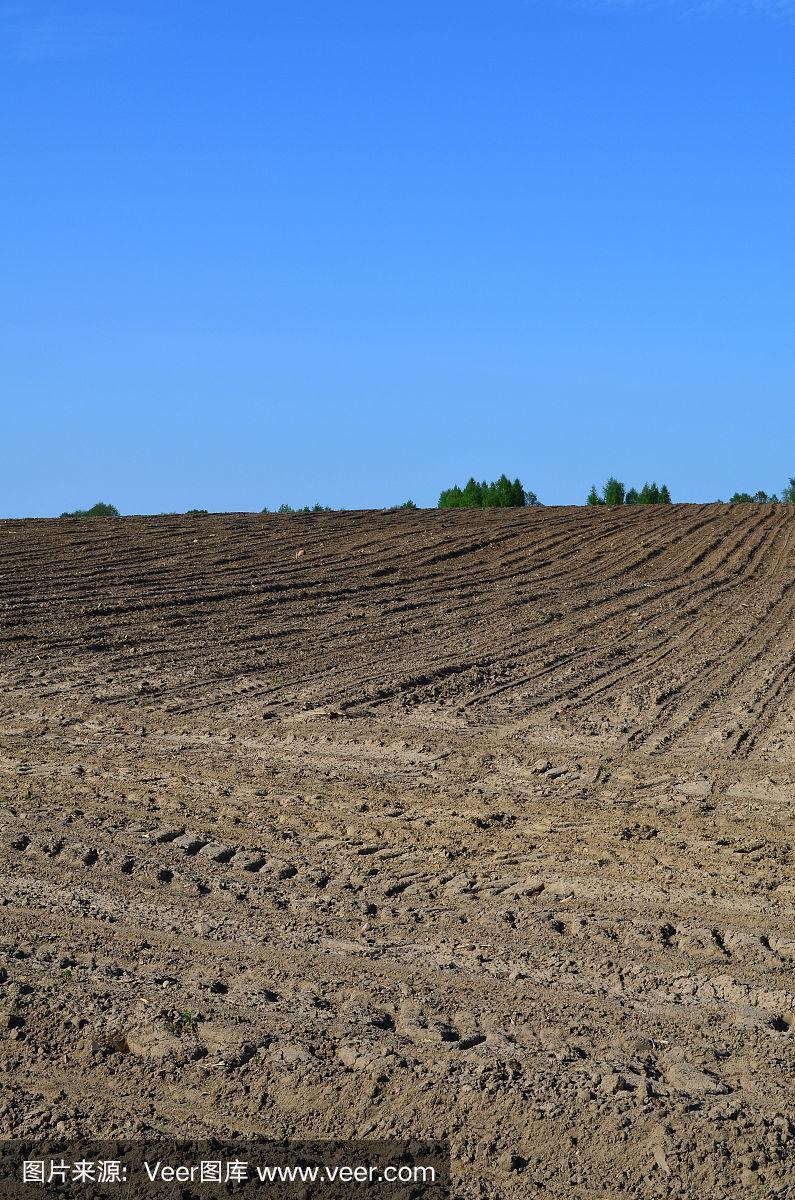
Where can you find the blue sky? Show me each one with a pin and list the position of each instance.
(354, 252)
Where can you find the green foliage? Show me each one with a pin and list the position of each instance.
(788, 492)
(187, 1021)
(98, 510)
(613, 492)
(502, 493)
(196, 512)
(316, 508)
(407, 504)
(452, 498)
(757, 498)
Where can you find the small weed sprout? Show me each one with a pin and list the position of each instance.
(187, 1020)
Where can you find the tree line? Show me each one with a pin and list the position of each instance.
(504, 493)
(787, 496)
(614, 492)
(501, 493)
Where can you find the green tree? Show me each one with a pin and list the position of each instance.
(451, 498)
(665, 495)
(472, 495)
(97, 510)
(407, 504)
(788, 492)
(593, 497)
(632, 496)
(501, 493)
(759, 497)
(613, 492)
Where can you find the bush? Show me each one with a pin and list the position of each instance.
(502, 493)
(407, 504)
(98, 510)
(196, 512)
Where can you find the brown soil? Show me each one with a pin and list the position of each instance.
(473, 825)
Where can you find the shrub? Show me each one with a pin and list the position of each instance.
(196, 512)
(407, 504)
(98, 510)
(502, 493)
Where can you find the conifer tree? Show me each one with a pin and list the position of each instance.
(613, 491)
(501, 493)
(472, 496)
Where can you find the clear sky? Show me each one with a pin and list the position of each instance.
(357, 250)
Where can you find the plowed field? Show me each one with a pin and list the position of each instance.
(473, 825)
